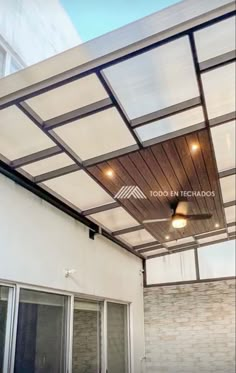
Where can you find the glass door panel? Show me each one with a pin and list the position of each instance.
(41, 333)
(117, 338)
(4, 294)
(87, 337)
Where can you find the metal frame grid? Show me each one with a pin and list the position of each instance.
(13, 169)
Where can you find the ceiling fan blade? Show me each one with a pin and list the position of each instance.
(198, 217)
(182, 208)
(155, 220)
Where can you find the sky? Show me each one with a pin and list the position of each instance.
(93, 18)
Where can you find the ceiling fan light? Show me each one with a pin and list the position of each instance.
(179, 222)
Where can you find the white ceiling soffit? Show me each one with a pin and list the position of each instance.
(150, 29)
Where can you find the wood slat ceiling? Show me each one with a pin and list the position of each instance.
(168, 166)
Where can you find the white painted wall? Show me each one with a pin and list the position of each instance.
(36, 29)
(37, 242)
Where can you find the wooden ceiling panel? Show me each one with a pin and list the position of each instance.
(169, 168)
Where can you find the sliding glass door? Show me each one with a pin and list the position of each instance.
(87, 337)
(36, 334)
(41, 333)
(5, 327)
(117, 338)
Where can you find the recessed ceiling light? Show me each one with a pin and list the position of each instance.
(194, 147)
(109, 173)
(217, 225)
(167, 237)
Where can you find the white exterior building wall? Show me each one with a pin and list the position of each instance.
(38, 242)
(36, 29)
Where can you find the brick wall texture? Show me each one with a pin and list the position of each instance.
(85, 342)
(190, 328)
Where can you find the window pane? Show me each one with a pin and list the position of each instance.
(217, 260)
(87, 337)
(2, 61)
(117, 338)
(3, 320)
(40, 344)
(14, 66)
(171, 268)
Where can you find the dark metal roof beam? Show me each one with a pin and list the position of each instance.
(77, 114)
(165, 113)
(95, 210)
(35, 157)
(128, 230)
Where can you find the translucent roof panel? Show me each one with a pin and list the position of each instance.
(217, 260)
(68, 97)
(155, 252)
(19, 136)
(230, 213)
(171, 268)
(137, 238)
(181, 241)
(79, 189)
(228, 187)
(96, 134)
(215, 40)
(213, 238)
(170, 124)
(49, 164)
(152, 80)
(232, 229)
(115, 219)
(219, 88)
(223, 137)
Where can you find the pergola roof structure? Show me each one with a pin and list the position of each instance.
(124, 110)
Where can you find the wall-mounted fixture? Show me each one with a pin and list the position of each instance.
(69, 272)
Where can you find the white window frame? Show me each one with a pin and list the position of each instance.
(129, 334)
(9, 325)
(68, 326)
(8, 58)
(12, 324)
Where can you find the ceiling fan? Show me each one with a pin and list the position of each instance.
(179, 216)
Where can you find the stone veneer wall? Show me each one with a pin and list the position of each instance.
(85, 342)
(190, 328)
